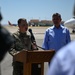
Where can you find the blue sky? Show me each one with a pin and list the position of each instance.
(12, 10)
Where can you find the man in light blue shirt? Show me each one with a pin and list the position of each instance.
(63, 63)
(56, 36)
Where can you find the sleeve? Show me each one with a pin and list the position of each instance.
(45, 41)
(68, 38)
(54, 68)
(12, 49)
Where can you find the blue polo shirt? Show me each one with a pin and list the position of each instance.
(55, 38)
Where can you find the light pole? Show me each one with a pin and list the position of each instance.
(74, 10)
(0, 26)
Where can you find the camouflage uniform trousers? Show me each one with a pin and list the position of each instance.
(17, 68)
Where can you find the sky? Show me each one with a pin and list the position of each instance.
(12, 10)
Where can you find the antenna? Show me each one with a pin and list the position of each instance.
(0, 16)
(74, 10)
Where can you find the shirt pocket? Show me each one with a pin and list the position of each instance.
(51, 39)
(63, 38)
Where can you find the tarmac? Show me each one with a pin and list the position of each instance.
(6, 64)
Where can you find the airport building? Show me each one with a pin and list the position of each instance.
(37, 22)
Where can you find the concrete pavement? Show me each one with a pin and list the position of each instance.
(6, 64)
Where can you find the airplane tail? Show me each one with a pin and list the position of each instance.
(10, 23)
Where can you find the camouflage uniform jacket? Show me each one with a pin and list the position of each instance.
(22, 41)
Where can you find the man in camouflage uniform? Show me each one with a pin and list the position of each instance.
(22, 41)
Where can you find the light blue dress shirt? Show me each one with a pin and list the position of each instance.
(55, 38)
(63, 63)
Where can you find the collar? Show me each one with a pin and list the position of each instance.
(22, 34)
(57, 28)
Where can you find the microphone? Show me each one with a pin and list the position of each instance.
(32, 36)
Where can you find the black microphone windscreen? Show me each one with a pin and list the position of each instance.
(32, 36)
(30, 30)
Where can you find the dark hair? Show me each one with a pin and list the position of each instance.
(19, 21)
(56, 14)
